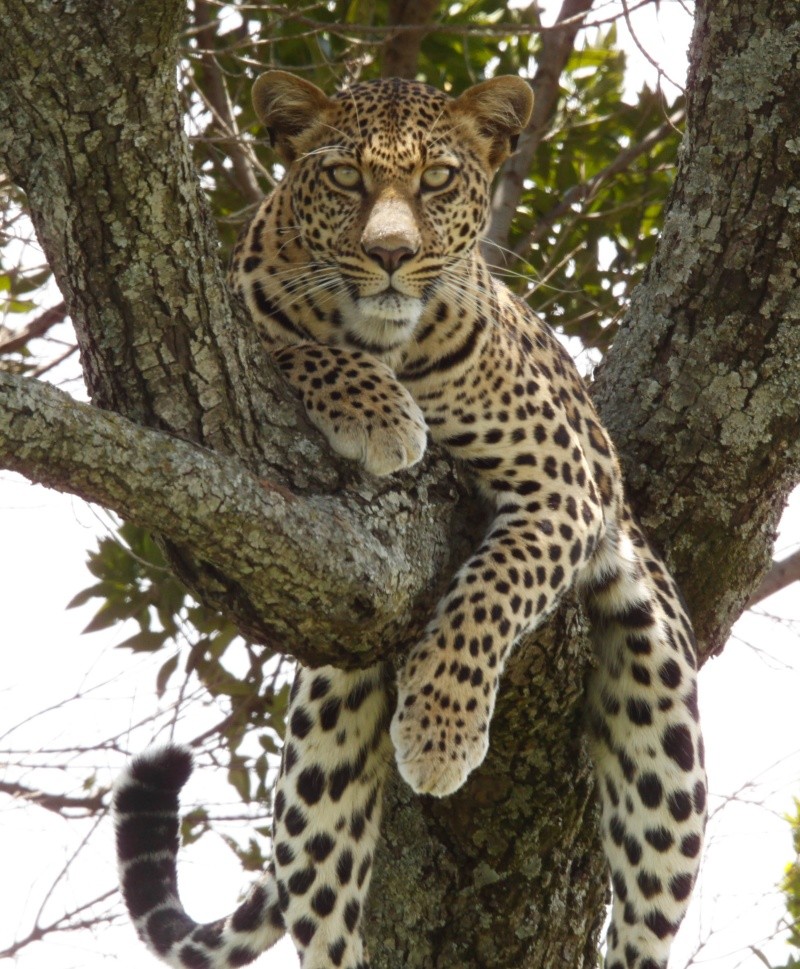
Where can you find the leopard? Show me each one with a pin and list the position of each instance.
(363, 274)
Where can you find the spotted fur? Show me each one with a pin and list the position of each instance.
(363, 275)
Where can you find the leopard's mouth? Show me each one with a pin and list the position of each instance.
(391, 307)
(385, 322)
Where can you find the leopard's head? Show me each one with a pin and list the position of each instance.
(390, 188)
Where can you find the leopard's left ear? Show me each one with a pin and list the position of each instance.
(501, 108)
(290, 108)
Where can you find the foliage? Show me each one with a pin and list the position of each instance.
(586, 258)
(791, 888)
(23, 280)
(136, 586)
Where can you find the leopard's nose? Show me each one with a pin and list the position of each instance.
(391, 235)
(389, 258)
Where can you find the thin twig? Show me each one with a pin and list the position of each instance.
(586, 191)
(36, 328)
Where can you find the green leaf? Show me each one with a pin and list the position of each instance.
(239, 777)
(164, 674)
(82, 597)
(145, 641)
(110, 613)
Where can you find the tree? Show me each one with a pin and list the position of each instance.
(193, 436)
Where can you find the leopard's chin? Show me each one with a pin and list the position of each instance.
(386, 321)
(391, 307)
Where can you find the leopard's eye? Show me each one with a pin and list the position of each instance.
(437, 177)
(345, 176)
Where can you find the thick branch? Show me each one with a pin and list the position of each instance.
(311, 574)
(134, 252)
(161, 342)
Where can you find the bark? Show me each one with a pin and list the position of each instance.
(509, 870)
(372, 592)
(701, 391)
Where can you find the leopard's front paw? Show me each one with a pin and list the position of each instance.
(383, 442)
(440, 729)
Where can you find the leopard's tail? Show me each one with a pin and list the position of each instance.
(647, 746)
(327, 810)
(147, 832)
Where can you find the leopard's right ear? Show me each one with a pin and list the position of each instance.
(289, 107)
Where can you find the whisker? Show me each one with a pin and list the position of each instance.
(510, 252)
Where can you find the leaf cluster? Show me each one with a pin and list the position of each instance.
(136, 589)
(791, 889)
(23, 279)
(588, 224)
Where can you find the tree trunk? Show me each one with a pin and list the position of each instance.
(701, 391)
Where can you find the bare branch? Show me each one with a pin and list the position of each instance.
(36, 328)
(68, 922)
(218, 101)
(61, 804)
(400, 51)
(557, 45)
(781, 574)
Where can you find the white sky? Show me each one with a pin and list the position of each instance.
(748, 698)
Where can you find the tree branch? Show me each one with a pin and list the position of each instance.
(400, 49)
(215, 92)
(701, 391)
(68, 922)
(557, 45)
(312, 573)
(163, 344)
(36, 328)
(61, 804)
(781, 574)
(585, 191)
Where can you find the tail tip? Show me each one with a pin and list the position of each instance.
(164, 768)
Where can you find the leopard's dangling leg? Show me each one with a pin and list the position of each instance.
(327, 810)
(647, 747)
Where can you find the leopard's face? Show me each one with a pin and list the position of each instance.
(389, 187)
(389, 200)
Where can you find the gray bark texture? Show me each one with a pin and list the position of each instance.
(191, 434)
